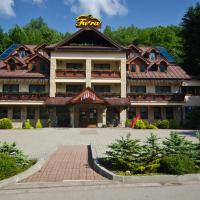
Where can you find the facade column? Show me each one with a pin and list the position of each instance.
(104, 117)
(88, 72)
(71, 110)
(23, 113)
(52, 116)
(53, 78)
(123, 77)
(10, 112)
(122, 117)
(150, 114)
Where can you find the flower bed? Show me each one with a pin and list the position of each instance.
(176, 156)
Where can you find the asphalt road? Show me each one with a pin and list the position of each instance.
(104, 192)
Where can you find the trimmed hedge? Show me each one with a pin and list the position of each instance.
(5, 123)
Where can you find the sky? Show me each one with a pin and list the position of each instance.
(61, 14)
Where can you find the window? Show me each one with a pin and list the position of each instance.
(102, 88)
(142, 68)
(44, 113)
(157, 113)
(22, 53)
(16, 113)
(193, 90)
(3, 112)
(169, 112)
(102, 66)
(33, 68)
(133, 68)
(163, 67)
(30, 113)
(74, 88)
(74, 66)
(43, 68)
(12, 64)
(163, 89)
(152, 56)
(10, 88)
(37, 88)
(132, 113)
(144, 112)
(138, 89)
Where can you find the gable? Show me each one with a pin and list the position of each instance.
(91, 38)
(88, 96)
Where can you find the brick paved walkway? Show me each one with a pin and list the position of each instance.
(67, 163)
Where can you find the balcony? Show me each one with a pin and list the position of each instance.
(109, 94)
(105, 74)
(24, 96)
(62, 94)
(65, 73)
(157, 97)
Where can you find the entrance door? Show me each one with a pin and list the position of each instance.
(88, 117)
(63, 117)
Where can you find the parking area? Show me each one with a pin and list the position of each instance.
(39, 142)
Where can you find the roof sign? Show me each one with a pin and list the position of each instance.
(87, 20)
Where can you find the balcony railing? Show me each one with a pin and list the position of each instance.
(105, 74)
(70, 73)
(24, 96)
(109, 94)
(157, 97)
(68, 94)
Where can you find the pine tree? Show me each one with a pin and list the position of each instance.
(178, 145)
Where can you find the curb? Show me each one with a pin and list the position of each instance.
(160, 179)
(28, 172)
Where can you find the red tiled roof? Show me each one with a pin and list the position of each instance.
(173, 72)
(114, 101)
(19, 74)
(57, 101)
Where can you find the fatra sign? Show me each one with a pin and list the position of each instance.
(87, 20)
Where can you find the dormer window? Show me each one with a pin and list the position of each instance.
(152, 56)
(133, 68)
(163, 67)
(142, 68)
(12, 64)
(22, 53)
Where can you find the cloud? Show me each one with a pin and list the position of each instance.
(6, 8)
(97, 7)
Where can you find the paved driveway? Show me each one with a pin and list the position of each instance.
(38, 142)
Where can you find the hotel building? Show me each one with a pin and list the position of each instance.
(89, 80)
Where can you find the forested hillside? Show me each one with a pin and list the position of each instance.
(182, 41)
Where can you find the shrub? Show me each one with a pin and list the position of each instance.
(38, 124)
(179, 164)
(140, 125)
(163, 124)
(178, 145)
(151, 126)
(27, 124)
(12, 150)
(49, 123)
(124, 154)
(5, 123)
(8, 166)
(128, 122)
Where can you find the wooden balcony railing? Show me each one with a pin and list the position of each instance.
(109, 94)
(70, 73)
(179, 97)
(105, 74)
(24, 96)
(68, 94)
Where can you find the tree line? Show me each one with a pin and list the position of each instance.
(181, 41)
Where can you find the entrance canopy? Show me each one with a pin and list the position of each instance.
(87, 96)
